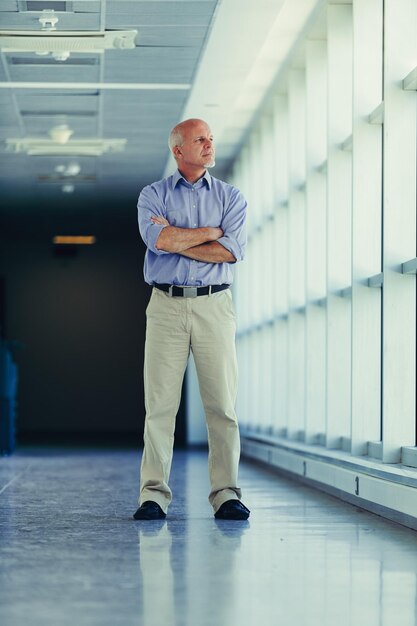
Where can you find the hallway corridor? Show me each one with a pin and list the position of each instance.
(72, 554)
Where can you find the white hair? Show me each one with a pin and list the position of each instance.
(175, 138)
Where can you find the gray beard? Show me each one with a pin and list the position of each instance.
(211, 163)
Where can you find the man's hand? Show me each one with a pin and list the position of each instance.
(177, 240)
(158, 219)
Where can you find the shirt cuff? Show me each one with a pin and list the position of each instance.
(152, 237)
(231, 245)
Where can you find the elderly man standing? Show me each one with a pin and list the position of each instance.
(194, 228)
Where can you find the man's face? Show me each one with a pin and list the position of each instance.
(198, 147)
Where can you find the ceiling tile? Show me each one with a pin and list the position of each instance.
(151, 65)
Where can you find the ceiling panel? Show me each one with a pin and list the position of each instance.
(170, 36)
(54, 73)
(3, 75)
(14, 167)
(59, 102)
(151, 65)
(140, 106)
(8, 6)
(92, 6)
(162, 13)
(8, 124)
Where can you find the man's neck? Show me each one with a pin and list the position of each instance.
(192, 176)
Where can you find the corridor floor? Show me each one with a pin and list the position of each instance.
(70, 552)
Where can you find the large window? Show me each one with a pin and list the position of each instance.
(326, 297)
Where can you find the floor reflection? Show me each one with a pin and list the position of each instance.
(70, 552)
(156, 575)
(183, 567)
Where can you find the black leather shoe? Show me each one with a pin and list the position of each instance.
(149, 510)
(232, 509)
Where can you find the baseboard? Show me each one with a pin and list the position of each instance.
(390, 492)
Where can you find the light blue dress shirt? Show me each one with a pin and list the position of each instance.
(208, 202)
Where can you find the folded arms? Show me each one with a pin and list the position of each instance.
(199, 244)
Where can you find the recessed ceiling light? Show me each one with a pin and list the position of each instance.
(72, 169)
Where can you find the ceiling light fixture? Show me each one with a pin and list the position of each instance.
(61, 44)
(35, 146)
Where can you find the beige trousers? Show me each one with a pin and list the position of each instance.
(206, 325)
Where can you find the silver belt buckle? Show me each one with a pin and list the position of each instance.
(189, 292)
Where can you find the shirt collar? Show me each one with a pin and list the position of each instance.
(177, 176)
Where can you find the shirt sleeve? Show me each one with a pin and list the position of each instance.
(234, 226)
(149, 204)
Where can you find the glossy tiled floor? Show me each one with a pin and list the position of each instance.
(70, 552)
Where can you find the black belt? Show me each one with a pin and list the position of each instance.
(191, 292)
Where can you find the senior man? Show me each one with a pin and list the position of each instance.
(194, 228)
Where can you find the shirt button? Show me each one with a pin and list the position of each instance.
(195, 224)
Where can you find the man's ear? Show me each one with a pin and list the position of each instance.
(176, 151)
